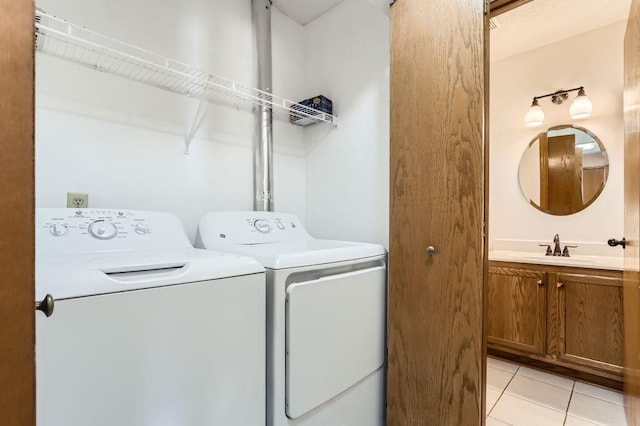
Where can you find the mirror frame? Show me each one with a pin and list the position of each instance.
(602, 149)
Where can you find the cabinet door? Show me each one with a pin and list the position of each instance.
(516, 314)
(590, 321)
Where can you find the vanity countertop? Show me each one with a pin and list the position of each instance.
(615, 263)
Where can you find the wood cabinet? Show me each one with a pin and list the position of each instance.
(517, 309)
(564, 318)
(590, 320)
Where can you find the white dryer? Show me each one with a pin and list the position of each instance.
(326, 318)
(144, 329)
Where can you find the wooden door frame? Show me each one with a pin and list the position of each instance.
(631, 280)
(17, 333)
(498, 7)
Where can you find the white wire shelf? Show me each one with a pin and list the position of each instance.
(62, 39)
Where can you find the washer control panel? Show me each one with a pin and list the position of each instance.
(98, 224)
(107, 229)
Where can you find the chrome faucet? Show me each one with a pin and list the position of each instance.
(557, 251)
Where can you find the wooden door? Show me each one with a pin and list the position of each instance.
(435, 372)
(516, 309)
(632, 214)
(564, 184)
(590, 321)
(17, 378)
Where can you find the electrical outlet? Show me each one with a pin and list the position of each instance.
(77, 200)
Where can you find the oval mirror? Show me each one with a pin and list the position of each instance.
(563, 170)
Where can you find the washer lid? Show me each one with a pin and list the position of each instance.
(308, 252)
(67, 276)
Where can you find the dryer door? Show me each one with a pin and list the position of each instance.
(335, 333)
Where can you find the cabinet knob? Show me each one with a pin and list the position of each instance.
(560, 284)
(431, 250)
(46, 305)
(540, 283)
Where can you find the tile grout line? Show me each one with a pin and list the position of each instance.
(598, 398)
(502, 392)
(566, 413)
(573, 384)
(551, 384)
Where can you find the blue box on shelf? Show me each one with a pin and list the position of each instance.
(310, 107)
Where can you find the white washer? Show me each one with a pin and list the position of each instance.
(326, 318)
(145, 330)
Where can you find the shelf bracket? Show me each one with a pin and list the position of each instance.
(197, 120)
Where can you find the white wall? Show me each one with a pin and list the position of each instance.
(122, 142)
(594, 60)
(348, 166)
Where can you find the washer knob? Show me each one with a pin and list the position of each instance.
(58, 229)
(141, 229)
(262, 226)
(103, 230)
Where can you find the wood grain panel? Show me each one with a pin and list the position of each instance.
(436, 198)
(565, 179)
(555, 269)
(590, 320)
(593, 180)
(516, 309)
(632, 213)
(17, 391)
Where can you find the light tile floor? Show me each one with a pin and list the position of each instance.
(520, 396)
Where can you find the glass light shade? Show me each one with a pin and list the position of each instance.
(535, 115)
(581, 106)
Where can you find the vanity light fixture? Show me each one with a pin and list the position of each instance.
(580, 108)
(535, 115)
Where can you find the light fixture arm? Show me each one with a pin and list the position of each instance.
(560, 94)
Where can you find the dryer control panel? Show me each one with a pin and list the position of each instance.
(77, 230)
(265, 224)
(250, 227)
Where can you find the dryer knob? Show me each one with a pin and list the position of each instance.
(141, 229)
(262, 226)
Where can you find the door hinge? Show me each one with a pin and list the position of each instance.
(486, 6)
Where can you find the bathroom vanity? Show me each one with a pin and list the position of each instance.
(559, 316)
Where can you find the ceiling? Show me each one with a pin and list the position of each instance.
(542, 22)
(305, 11)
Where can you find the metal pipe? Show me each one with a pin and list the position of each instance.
(263, 152)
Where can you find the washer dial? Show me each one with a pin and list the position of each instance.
(102, 230)
(58, 229)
